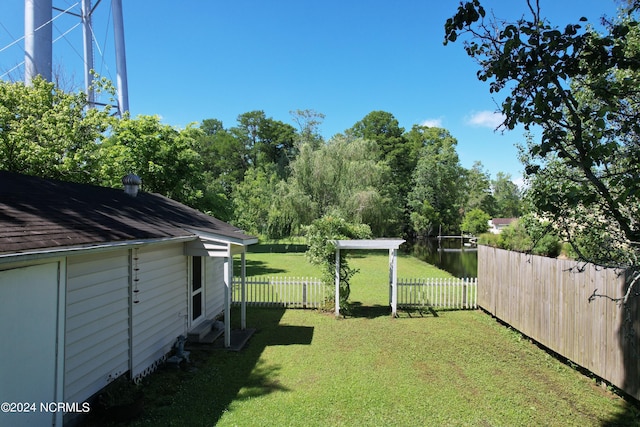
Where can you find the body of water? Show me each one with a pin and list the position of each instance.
(450, 255)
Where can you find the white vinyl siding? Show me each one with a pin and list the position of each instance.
(159, 316)
(97, 322)
(214, 277)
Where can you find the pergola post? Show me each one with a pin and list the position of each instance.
(243, 303)
(337, 282)
(228, 278)
(393, 274)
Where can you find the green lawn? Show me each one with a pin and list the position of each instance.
(369, 285)
(306, 368)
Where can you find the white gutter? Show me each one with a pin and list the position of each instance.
(224, 238)
(57, 252)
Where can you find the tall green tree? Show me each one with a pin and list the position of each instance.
(266, 141)
(252, 200)
(347, 176)
(224, 156)
(47, 132)
(438, 193)
(165, 158)
(383, 128)
(308, 122)
(580, 88)
(507, 196)
(478, 188)
(476, 222)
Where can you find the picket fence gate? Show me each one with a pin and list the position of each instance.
(307, 292)
(443, 293)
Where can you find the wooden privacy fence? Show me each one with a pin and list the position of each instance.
(568, 308)
(311, 293)
(449, 293)
(296, 292)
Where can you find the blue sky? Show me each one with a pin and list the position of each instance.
(189, 61)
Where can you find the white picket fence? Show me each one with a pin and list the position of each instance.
(290, 292)
(450, 293)
(308, 292)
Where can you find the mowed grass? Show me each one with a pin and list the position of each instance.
(369, 285)
(307, 368)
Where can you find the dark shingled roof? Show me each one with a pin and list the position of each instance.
(38, 214)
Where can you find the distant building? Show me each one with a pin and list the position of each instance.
(496, 225)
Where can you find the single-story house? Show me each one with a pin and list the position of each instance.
(96, 283)
(496, 225)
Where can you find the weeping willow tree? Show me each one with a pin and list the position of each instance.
(345, 177)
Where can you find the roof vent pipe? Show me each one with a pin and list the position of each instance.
(132, 183)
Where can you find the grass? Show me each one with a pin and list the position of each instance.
(306, 368)
(369, 285)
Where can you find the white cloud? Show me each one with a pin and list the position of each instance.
(519, 182)
(432, 123)
(486, 118)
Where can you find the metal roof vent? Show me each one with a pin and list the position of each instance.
(132, 183)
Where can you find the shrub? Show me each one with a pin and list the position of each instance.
(527, 234)
(321, 251)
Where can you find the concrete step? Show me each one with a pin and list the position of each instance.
(200, 331)
(206, 332)
(212, 336)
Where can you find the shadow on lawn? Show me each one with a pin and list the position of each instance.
(200, 392)
(357, 309)
(259, 268)
(280, 248)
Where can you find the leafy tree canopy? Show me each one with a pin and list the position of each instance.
(476, 222)
(579, 88)
(438, 192)
(47, 132)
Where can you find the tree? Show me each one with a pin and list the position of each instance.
(266, 141)
(478, 188)
(383, 128)
(224, 156)
(580, 89)
(476, 222)
(506, 196)
(165, 158)
(308, 122)
(438, 192)
(47, 132)
(346, 176)
(252, 200)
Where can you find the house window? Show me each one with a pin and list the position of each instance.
(197, 300)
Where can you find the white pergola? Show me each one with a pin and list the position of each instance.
(392, 245)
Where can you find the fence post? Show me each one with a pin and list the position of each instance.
(464, 293)
(304, 293)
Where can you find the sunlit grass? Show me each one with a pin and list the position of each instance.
(307, 368)
(304, 368)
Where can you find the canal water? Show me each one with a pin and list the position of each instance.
(450, 255)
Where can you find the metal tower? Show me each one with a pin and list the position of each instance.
(39, 51)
